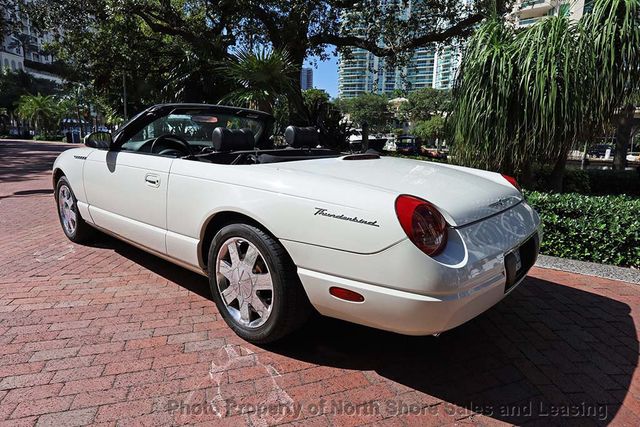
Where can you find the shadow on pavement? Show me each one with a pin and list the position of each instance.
(189, 280)
(24, 160)
(42, 192)
(545, 348)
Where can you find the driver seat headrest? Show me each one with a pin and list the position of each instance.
(225, 139)
(301, 137)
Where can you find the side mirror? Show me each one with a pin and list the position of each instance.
(101, 140)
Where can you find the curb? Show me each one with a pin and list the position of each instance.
(605, 271)
(32, 141)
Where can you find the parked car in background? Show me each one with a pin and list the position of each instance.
(390, 145)
(376, 141)
(356, 136)
(408, 246)
(408, 144)
(600, 150)
(433, 153)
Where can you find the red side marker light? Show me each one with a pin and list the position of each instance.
(345, 294)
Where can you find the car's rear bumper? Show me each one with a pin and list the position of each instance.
(407, 292)
(400, 311)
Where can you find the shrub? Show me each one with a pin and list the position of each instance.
(429, 130)
(591, 181)
(615, 182)
(49, 137)
(603, 229)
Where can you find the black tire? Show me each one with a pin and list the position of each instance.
(290, 305)
(82, 232)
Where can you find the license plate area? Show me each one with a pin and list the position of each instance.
(519, 260)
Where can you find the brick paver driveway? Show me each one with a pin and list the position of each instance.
(108, 334)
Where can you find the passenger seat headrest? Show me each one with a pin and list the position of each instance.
(233, 139)
(299, 137)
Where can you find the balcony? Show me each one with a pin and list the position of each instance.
(529, 21)
(535, 8)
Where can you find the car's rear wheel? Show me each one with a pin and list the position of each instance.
(255, 285)
(74, 227)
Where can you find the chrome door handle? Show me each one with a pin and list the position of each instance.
(152, 180)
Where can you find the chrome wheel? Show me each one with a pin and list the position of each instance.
(244, 282)
(65, 206)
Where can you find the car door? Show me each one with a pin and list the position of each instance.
(127, 195)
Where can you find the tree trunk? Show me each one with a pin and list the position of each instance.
(623, 137)
(365, 137)
(80, 130)
(556, 179)
(298, 112)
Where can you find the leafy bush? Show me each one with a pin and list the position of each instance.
(429, 130)
(48, 137)
(591, 181)
(614, 182)
(603, 229)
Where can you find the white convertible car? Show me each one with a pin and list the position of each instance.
(402, 245)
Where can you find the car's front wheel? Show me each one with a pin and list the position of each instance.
(255, 285)
(74, 227)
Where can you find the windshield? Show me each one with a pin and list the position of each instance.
(196, 128)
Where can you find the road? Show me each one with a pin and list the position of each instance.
(108, 334)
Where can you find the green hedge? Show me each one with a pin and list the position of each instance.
(49, 138)
(603, 229)
(591, 181)
(614, 182)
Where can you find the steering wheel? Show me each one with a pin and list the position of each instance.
(170, 144)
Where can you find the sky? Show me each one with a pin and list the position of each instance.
(325, 74)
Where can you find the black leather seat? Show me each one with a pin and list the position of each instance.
(301, 137)
(225, 140)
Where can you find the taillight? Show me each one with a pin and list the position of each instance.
(423, 224)
(512, 181)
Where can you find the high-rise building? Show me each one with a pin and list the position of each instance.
(528, 12)
(428, 66)
(306, 78)
(362, 72)
(23, 48)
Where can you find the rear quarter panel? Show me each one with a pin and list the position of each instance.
(285, 202)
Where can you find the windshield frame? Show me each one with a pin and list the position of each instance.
(141, 120)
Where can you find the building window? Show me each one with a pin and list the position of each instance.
(6, 63)
(13, 65)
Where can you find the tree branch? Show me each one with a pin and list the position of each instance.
(338, 40)
(168, 22)
(269, 22)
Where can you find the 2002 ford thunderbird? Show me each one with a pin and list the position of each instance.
(403, 245)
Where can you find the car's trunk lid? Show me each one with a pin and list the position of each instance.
(463, 195)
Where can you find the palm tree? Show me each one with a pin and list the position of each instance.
(626, 126)
(111, 116)
(526, 95)
(37, 109)
(260, 77)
